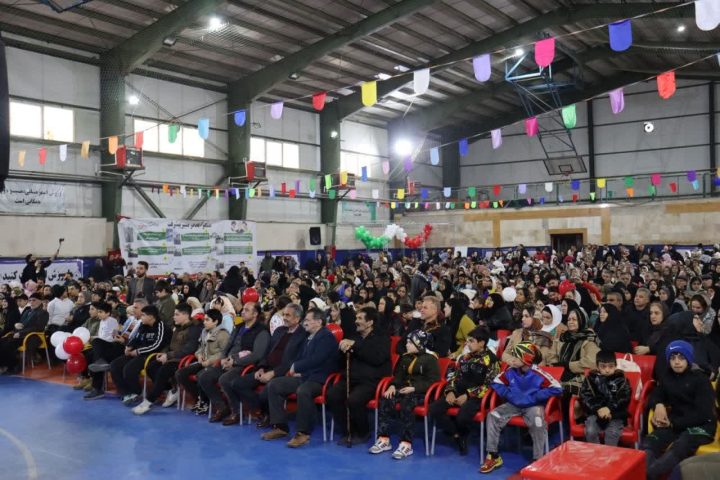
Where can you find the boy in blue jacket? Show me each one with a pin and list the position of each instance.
(526, 389)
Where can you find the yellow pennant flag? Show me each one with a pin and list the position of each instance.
(369, 93)
(85, 149)
(601, 183)
(400, 193)
(259, 192)
(112, 145)
(343, 178)
(392, 205)
(21, 158)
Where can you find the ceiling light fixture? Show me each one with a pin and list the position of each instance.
(401, 68)
(403, 147)
(133, 100)
(169, 41)
(215, 24)
(681, 28)
(383, 76)
(519, 52)
(294, 76)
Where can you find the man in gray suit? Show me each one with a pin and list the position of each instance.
(141, 284)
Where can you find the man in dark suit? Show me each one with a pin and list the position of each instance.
(33, 320)
(141, 284)
(318, 359)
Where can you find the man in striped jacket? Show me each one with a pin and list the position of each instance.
(151, 337)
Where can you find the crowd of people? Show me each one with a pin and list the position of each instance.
(450, 316)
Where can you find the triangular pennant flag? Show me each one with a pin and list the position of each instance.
(696, 184)
(656, 179)
(250, 170)
(386, 167)
(496, 190)
(240, 117)
(139, 140)
(575, 185)
(569, 116)
(447, 204)
(318, 100)
(496, 136)
(63, 152)
(610, 194)
(620, 35)
(452, 205)
(673, 187)
(666, 84)
(172, 133)
(544, 52)
(426, 205)
(247, 192)
(400, 193)
(630, 191)
(85, 149)
(651, 190)
(495, 204)
(601, 182)
(353, 194)
(463, 147)
(165, 188)
(283, 188)
(369, 93)
(542, 200)
(531, 126)
(364, 174)
(272, 191)
(522, 188)
(716, 181)
(421, 81)
(447, 191)
(297, 187)
(592, 196)
(560, 199)
(276, 110)
(21, 158)
(311, 183)
(292, 193)
(434, 156)
(328, 182)
(343, 178)
(691, 175)
(575, 197)
(393, 205)
(112, 145)
(529, 201)
(467, 205)
(183, 191)
(121, 155)
(311, 193)
(617, 100)
(548, 187)
(502, 203)
(707, 14)
(199, 192)
(472, 192)
(629, 181)
(482, 66)
(204, 128)
(437, 205)
(226, 193)
(424, 193)
(408, 164)
(375, 193)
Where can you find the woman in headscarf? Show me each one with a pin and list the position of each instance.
(667, 296)
(566, 306)
(228, 312)
(700, 306)
(659, 335)
(233, 282)
(531, 331)
(386, 312)
(552, 321)
(612, 333)
(575, 351)
(494, 315)
(459, 323)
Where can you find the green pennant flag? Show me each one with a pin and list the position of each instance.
(331, 194)
(172, 133)
(495, 204)
(452, 205)
(610, 194)
(651, 190)
(312, 184)
(472, 192)
(569, 116)
(252, 192)
(592, 196)
(328, 182)
(629, 182)
(473, 204)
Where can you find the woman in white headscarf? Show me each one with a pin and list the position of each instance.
(552, 321)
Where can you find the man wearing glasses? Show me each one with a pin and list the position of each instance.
(33, 321)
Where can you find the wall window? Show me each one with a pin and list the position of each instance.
(49, 123)
(150, 134)
(155, 139)
(279, 154)
(193, 145)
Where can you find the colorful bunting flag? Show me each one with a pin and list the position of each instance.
(496, 136)
(332, 194)
(172, 132)
(617, 100)
(272, 191)
(400, 193)
(545, 52)
(139, 140)
(497, 189)
(292, 193)
(531, 126)
(364, 174)
(353, 194)
(447, 191)
(386, 167)
(691, 175)
(240, 117)
(85, 149)
(463, 147)
(569, 116)
(421, 81)
(276, 110)
(63, 152)
(343, 178)
(318, 100)
(548, 187)
(21, 158)
(529, 200)
(575, 197)
(424, 193)
(297, 187)
(630, 191)
(651, 190)
(369, 93)
(375, 193)
(408, 164)
(575, 185)
(283, 188)
(204, 128)
(112, 145)
(696, 184)
(601, 182)
(472, 192)
(656, 179)
(621, 37)
(434, 156)
(666, 84)
(522, 189)
(328, 182)
(592, 196)
(629, 181)
(482, 66)
(707, 14)
(673, 187)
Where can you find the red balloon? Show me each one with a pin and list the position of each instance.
(250, 295)
(76, 364)
(336, 331)
(73, 345)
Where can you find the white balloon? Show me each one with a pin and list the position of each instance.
(58, 338)
(60, 353)
(83, 333)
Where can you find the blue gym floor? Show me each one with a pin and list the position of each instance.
(48, 428)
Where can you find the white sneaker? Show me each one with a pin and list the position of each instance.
(381, 445)
(403, 450)
(171, 398)
(129, 399)
(143, 408)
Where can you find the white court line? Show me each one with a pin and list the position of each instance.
(29, 460)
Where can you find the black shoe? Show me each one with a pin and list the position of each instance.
(94, 395)
(264, 422)
(462, 445)
(360, 439)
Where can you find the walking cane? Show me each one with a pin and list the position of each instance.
(347, 399)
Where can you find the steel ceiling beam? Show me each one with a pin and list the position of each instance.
(263, 80)
(137, 49)
(525, 31)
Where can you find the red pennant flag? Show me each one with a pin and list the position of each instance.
(283, 188)
(42, 153)
(251, 171)
(673, 187)
(575, 197)
(496, 190)
(666, 84)
(121, 156)
(139, 139)
(292, 193)
(318, 100)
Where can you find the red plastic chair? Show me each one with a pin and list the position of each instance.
(321, 400)
(394, 340)
(502, 336)
(553, 409)
(645, 362)
(374, 404)
(184, 362)
(632, 431)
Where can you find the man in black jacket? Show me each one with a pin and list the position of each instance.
(369, 353)
(285, 346)
(33, 320)
(141, 285)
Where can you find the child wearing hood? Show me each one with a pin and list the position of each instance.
(684, 417)
(415, 372)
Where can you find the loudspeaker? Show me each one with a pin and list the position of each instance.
(315, 237)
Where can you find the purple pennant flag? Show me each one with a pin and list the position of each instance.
(434, 156)
(276, 110)
(447, 191)
(408, 164)
(482, 67)
(522, 188)
(463, 147)
(692, 176)
(424, 193)
(226, 194)
(496, 138)
(542, 200)
(575, 185)
(620, 35)
(617, 100)
(363, 174)
(297, 187)
(386, 167)
(240, 118)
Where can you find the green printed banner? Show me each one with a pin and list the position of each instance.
(195, 237)
(248, 250)
(238, 237)
(196, 250)
(152, 251)
(151, 236)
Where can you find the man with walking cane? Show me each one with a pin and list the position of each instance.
(367, 362)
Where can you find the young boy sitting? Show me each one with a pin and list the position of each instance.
(605, 394)
(684, 412)
(416, 370)
(525, 388)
